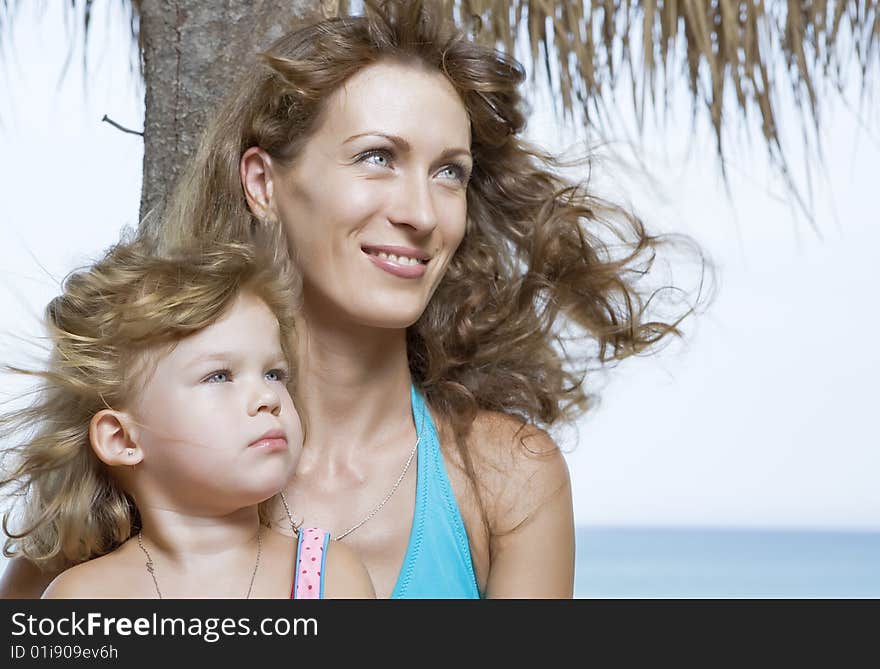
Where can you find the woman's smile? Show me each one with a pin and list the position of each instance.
(401, 261)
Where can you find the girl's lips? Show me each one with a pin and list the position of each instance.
(404, 271)
(274, 440)
(270, 445)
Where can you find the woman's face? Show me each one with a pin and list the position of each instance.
(375, 204)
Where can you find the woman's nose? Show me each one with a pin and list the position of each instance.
(413, 204)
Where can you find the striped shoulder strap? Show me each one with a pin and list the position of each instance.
(308, 582)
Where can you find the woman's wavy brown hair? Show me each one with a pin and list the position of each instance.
(542, 257)
(110, 319)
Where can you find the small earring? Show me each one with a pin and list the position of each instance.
(129, 452)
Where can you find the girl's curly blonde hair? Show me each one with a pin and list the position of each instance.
(108, 320)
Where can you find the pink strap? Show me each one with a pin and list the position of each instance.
(310, 551)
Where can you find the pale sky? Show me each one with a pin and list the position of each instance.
(762, 417)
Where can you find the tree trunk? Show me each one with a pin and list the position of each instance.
(192, 52)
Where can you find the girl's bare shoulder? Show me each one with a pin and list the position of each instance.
(22, 579)
(107, 577)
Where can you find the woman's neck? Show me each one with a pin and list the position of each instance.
(353, 384)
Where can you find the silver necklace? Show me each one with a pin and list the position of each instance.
(375, 509)
(151, 567)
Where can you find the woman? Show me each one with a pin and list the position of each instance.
(443, 259)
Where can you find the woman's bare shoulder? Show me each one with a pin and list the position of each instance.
(519, 466)
(513, 446)
(527, 494)
(518, 478)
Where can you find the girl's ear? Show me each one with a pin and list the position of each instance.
(256, 172)
(112, 440)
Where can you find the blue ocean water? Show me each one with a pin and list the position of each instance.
(725, 563)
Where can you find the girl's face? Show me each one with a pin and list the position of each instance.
(374, 206)
(215, 420)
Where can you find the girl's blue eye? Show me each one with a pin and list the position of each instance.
(279, 375)
(218, 377)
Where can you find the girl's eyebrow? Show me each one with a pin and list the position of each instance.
(217, 356)
(403, 145)
(229, 358)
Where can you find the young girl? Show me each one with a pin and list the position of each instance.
(164, 426)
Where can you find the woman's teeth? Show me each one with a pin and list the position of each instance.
(400, 260)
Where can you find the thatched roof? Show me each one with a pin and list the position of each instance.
(735, 55)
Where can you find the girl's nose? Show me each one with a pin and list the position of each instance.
(264, 398)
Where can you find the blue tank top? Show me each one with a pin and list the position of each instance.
(437, 564)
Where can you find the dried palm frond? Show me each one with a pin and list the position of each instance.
(750, 47)
(715, 45)
(8, 11)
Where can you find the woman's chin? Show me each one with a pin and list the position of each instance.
(365, 305)
(390, 314)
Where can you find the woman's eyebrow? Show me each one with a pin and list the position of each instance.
(394, 139)
(402, 144)
(449, 153)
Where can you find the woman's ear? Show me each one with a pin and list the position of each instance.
(255, 170)
(112, 440)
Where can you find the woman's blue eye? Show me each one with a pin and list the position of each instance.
(218, 377)
(377, 154)
(276, 375)
(383, 158)
(456, 172)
